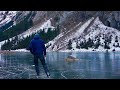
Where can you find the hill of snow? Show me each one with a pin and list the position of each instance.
(108, 38)
(61, 41)
(32, 30)
(91, 30)
(6, 16)
(104, 33)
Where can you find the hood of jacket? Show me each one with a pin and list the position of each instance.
(37, 36)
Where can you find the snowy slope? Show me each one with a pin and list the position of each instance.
(32, 30)
(62, 39)
(92, 28)
(97, 30)
(37, 28)
(6, 16)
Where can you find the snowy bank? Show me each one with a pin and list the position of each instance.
(20, 50)
(76, 50)
(91, 50)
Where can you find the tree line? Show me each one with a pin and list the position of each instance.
(17, 29)
(24, 43)
(90, 43)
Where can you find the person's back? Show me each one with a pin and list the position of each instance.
(37, 48)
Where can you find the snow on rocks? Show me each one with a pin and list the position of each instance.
(31, 31)
(20, 50)
(96, 30)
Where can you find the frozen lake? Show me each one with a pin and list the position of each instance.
(91, 65)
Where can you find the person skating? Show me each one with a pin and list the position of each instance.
(38, 49)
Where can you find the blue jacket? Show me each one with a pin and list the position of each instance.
(37, 46)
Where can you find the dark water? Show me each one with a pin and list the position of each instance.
(91, 65)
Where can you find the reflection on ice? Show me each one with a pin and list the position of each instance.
(74, 55)
(1, 61)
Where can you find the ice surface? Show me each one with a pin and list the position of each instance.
(95, 65)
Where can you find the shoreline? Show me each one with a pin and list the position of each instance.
(81, 50)
(6, 51)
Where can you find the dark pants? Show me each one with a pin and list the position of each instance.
(41, 57)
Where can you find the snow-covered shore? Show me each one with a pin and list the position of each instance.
(76, 50)
(20, 50)
(88, 50)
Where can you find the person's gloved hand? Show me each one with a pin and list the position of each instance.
(45, 57)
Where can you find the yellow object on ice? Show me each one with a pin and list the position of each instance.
(71, 59)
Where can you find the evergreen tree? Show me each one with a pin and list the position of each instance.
(90, 42)
(70, 45)
(18, 44)
(82, 44)
(116, 39)
(106, 44)
(97, 43)
(17, 29)
(58, 29)
(77, 45)
(85, 45)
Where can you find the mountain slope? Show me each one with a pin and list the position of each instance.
(32, 30)
(62, 40)
(7, 19)
(102, 37)
(76, 28)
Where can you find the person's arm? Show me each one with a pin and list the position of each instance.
(30, 47)
(44, 49)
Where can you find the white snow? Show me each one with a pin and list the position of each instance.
(47, 25)
(88, 50)
(1, 43)
(6, 20)
(96, 29)
(83, 27)
(20, 50)
(37, 28)
(8, 17)
(74, 34)
(74, 45)
(31, 31)
(54, 40)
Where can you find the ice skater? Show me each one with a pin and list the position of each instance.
(38, 49)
